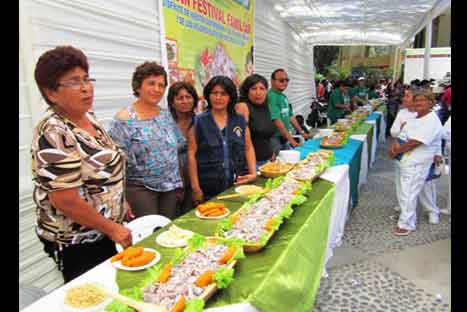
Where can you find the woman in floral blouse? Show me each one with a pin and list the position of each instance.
(150, 137)
(78, 170)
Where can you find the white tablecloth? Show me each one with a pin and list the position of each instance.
(382, 129)
(103, 274)
(363, 176)
(374, 142)
(338, 175)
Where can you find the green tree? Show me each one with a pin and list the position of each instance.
(334, 72)
(324, 56)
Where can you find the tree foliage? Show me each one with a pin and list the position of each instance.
(324, 56)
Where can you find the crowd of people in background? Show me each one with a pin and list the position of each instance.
(157, 160)
(415, 118)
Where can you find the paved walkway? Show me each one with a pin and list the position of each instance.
(374, 270)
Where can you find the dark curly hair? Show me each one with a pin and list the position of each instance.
(54, 64)
(173, 92)
(227, 84)
(145, 70)
(248, 83)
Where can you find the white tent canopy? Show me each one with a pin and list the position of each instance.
(359, 22)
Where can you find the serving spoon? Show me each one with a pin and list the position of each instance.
(138, 305)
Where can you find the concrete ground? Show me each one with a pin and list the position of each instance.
(374, 270)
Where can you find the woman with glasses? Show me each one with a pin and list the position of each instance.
(419, 145)
(78, 170)
(254, 107)
(220, 152)
(182, 99)
(150, 138)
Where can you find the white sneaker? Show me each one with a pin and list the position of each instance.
(397, 208)
(445, 211)
(433, 218)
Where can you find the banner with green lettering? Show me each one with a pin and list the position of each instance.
(206, 38)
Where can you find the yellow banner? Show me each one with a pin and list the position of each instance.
(207, 38)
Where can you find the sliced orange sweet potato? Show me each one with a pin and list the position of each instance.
(227, 255)
(204, 279)
(143, 259)
(165, 274)
(180, 305)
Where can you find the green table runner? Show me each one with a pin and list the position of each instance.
(285, 275)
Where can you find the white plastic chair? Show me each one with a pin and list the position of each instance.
(144, 226)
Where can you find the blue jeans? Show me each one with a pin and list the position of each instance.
(277, 145)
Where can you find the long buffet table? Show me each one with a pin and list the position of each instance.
(285, 275)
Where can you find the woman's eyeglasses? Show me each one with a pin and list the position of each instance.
(76, 83)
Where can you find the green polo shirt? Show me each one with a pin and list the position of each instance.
(372, 95)
(280, 108)
(336, 98)
(361, 92)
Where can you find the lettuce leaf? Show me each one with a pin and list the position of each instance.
(297, 200)
(196, 241)
(224, 226)
(274, 183)
(178, 256)
(286, 213)
(194, 305)
(223, 277)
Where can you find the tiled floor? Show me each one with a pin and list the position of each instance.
(374, 270)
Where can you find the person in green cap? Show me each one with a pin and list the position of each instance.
(282, 113)
(339, 101)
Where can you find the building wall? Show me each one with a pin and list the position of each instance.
(117, 36)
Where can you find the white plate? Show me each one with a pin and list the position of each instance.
(199, 215)
(176, 243)
(97, 308)
(142, 227)
(119, 265)
(242, 188)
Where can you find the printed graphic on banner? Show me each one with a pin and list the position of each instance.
(206, 38)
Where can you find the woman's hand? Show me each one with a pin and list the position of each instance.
(198, 196)
(121, 235)
(292, 142)
(129, 214)
(245, 179)
(438, 160)
(393, 150)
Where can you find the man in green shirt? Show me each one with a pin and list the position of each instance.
(339, 101)
(282, 113)
(360, 94)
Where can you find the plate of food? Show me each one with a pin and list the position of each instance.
(197, 276)
(84, 298)
(135, 258)
(334, 140)
(275, 169)
(248, 189)
(211, 211)
(174, 237)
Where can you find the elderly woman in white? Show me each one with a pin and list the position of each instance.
(427, 195)
(420, 142)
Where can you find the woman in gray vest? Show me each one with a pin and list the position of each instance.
(220, 151)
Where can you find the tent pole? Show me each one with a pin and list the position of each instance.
(426, 61)
(394, 69)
